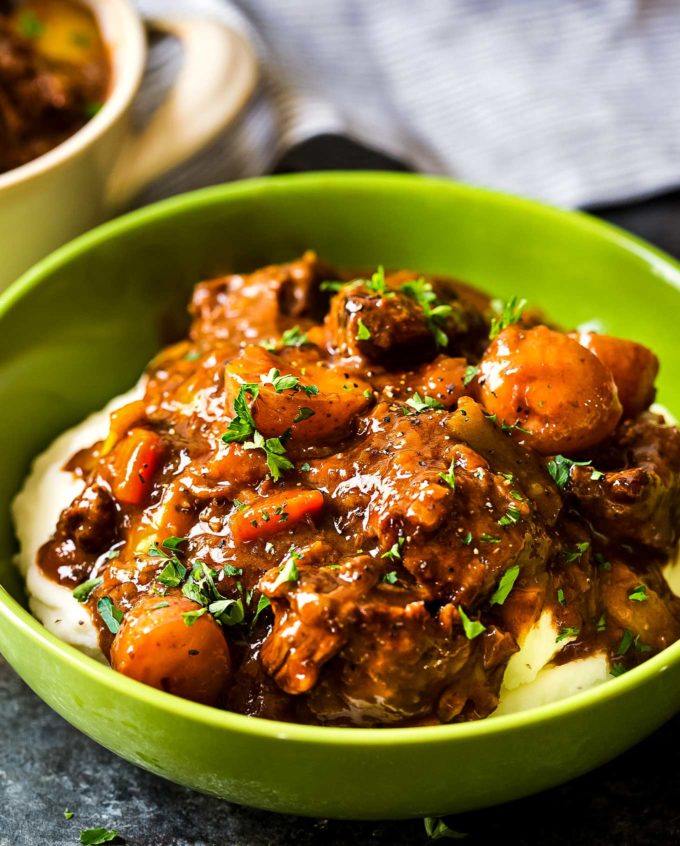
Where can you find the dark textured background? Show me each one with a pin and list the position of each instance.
(46, 766)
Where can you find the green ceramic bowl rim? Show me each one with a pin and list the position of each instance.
(384, 182)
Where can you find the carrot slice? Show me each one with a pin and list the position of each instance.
(136, 459)
(275, 513)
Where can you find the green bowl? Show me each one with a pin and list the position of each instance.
(79, 328)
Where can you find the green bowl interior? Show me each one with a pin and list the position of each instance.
(80, 326)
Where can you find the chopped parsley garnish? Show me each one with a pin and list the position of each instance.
(467, 539)
(368, 394)
(424, 403)
(437, 829)
(377, 282)
(293, 338)
(243, 424)
(450, 476)
(489, 538)
(505, 585)
(570, 555)
(363, 332)
(98, 836)
(288, 572)
(602, 562)
(560, 597)
(230, 570)
(596, 475)
(509, 313)
(262, 603)
(626, 642)
(306, 467)
(434, 311)
(640, 647)
(617, 670)
(390, 578)
(601, 624)
(639, 594)
(470, 372)
(239, 506)
(472, 628)
(30, 25)
(394, 554)
(560, 466)
(286, 383)
(68, 815)
(83, 591)
(173, 542)
(565, 632)
(229, 612)
(172, 574)
(111, 615)
(511, 516)
(160, 605)
(275, 452)
(190, 617)
(334, 286)
(303, 414)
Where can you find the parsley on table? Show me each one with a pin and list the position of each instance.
(424, 403)
(98, 836)
(68, 815)
(505, 585)
(510, 312)
(363, 332)
(450, 476)
(437, 829)
(560, 466)
(470, 373)
(394, 553)
(83, 591)
(111, 615)
(472, 628)
(434, 311)
(639, 594)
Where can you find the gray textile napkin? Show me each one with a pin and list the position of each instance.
(573, 102)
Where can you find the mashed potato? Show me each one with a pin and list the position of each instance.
(530, 678)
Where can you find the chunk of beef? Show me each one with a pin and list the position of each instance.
(637, 500)
(250, 307)
(86, 529)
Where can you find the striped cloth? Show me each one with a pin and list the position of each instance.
(572, 101)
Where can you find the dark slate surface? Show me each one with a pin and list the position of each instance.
(47, 766)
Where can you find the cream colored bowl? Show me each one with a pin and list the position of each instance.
(95, 172)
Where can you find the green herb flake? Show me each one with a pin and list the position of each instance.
(565, 632)
(173, 573)
(394, 554)
(83, 591)
(293, 338)
(390, 578)
(437, 829)
(472, 628)
(602, 562)
(230, 570)
(227, 612)
(638, 646)
(306, 467)
(368, 394)
(424, 403)
(626, 642)
(68, 815)
(601, 624)
(97, 836)
(288, 572)
(560, 597)
(173, 542)
(160, 605)
(505, 585)
(275, 453)
(377, 282)
(450, 476)
(596, 475)
(470, 373)
(333, 286)
(560, 466)
(571, 555)
(511, 516)
(435, 312)
(510, 312)
(487, 538)
(243, 424)
(111, 615)
(303, 414)
(190, 617)
(30, 25)
(262, 603)
(363, 332)
(467, 538)
(639, 594)
(617, 669)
